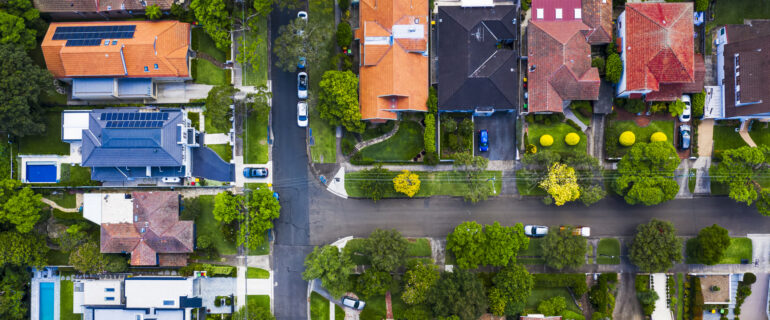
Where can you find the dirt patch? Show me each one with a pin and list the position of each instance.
(627, 307)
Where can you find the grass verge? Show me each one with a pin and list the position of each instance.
(325, 148)
(252, 77)
(319, 307)
(418, 248)
(256, 138)
(740, 248)
(608, 251)
(257, 273)
(446, 183)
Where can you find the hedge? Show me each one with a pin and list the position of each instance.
(614, 68)
(429, 134)
(576, 281)
(698, 102)
(211, 270)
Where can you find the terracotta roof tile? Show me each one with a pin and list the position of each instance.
(394, 72)
(597, 14)
(143, 255)
(172, 260)
(169, 52)
(66, 6)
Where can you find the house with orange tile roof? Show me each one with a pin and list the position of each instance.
(658, 54)
(393, 73)
(96, 9)
(117, 60)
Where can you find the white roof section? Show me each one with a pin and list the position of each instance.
(409, 31)
(151, 292)
(108, 208)
(101, 292)
(713, 108)
(73, 123)
(124, 314)
(477, 3)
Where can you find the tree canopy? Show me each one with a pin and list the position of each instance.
(710, 245)
(418, 280)
(514, 284)
(301, 38)
(562, 249)
(252, 311)
(467, 243)
(374, 282)
(88, 259)
(153, 12)
(23, 83)
(495, 245)
(19, 207)
(407, 183)
(226, 207)
(214, 15)
(374, 182)
(218, 104)
(561, 184)
(740, 169)
(20, 23)
(655, 246)
(587, 170)
(263, 208)
(13, 285)
(646, 173)
(331, 266)
(22, 249)
(387, 249)
(338, 100)
(458, 293)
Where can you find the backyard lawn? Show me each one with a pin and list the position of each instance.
(734, 11)
(540, 294)
(50, 141)
(225, 151)
(74, 175)
(725, 137)
(65, 300)
(402, 146)
(63, 199)
(448, 183)
(615, 128)
(257, 77)
(256, 150)
(257, 273)
(608, 251)
(319, 307)
(205, 72)
(558, 131)
(201, 41)
(205, 224)
(325, 148)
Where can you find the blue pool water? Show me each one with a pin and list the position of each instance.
(41, 173)
(46, 300)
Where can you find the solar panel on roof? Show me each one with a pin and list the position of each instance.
(90, 33)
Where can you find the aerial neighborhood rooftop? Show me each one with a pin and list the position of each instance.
(385, 159)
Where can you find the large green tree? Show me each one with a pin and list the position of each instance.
(459, 293)
(217, 108)
(375, 182)
(514, 284)
(655, 246)
(472, 167)
(562, 249)
(88, 259)
(20, 23)
(710, 245)
(646, 173)
(332, 266)
(214, 15)
(302, 38)
(19, 206)
(374, 283)
(22, 83)
(22, 249)
(503, 243)
(263, 208)
(419, 279)
(226, 207)
(338, 100)
(387, 249)
(740, 169)
(467, 242)
(13, 290)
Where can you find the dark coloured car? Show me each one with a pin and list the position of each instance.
(483, 140)
(255, 172)
(684, 137)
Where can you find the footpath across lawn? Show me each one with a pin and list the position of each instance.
(434, 183)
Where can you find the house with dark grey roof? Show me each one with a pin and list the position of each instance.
(477, 59)
(743, 76)
(96, 9)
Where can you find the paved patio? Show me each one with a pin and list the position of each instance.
(213, 287)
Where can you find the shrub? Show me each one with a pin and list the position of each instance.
(659, 107)
(429, 135)
(749, 278)
(448, 124)
(531, 148)
(432, 101)
(546, 140)
(572, 139)
(573, 124)
(658, 136)
(698, 102)
(599, 63)
(572, 315)
(344, 34)
(466, 127)
(633, 105)
(627, 138)
(701, 5)
(676, 108)
(614, 68)
(344, 5)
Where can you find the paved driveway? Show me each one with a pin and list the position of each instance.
(502, 136)
(755, 305)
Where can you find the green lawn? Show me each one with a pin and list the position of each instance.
(540, 294)
(534, 249)
(256, 150)
(206, 72)
(213, 129)
(76, 176)
(447, 183)
(258, 77)
(734, 11)
(375, 130)
(528, 186)
(50, 141)
(692, 179)
(740, 248)
(205, 224)
(201, 41)
(262, 301)
(319, 307)
(325, 148)
(585, 120)
(608, 251)
(760, 133)
(63, 198)
(403, 146)
(615, 128)
(339, 314)
(57, 258)
(225, 151)
(725, 138)
(375, 306)
(65, 300)
(558, 131)
(418, 248)
(257, 273)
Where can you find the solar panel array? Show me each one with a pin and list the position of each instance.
(134, 119)
(92, 35)
(134, 124)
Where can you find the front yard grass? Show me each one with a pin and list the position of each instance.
(608, 251)
(257, 77)
(212, 129)
(740, 248)
(225, 151)
(65, 300)
(325, 148)
(255, 141)
(735, 11)
(319, 307)
(49, 142)
(725, 137)
(202, 42)
(262, 301)
(558, 131)
(402, 146)
(760, 133)
(527, 186)
(206, 225)
(612, 146)
(418, 248)
(446, 183)
(540, 294)
(257, 273)
(205, 72)
(375, 306)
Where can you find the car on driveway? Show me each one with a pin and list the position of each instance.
(353, 303)
(302, 85)
(685, 116)
(255, 172)
(535, 231)
(483, 140)
(302, 114)
(684, 136)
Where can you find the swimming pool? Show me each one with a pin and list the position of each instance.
(46, 300)
(41, 172)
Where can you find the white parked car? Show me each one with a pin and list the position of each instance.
(535, 231)
(685, 116)
(302, 114)
(353, 303)
(302, 15)
(302, 85)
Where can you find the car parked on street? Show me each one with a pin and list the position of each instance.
(483, 140)
(353, 303)
(685, 116)
(302, 85)
(302, 114)
(535, 231)
(255, 172)
(684, 136)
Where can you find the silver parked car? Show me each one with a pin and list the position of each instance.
(535, 231)
(353, 303)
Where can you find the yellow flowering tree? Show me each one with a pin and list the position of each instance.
(407, 183)
(561, 184)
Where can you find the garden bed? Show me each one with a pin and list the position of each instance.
(455, 141)
(612, 146)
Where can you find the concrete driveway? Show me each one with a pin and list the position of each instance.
(755, 305)
(502, 136)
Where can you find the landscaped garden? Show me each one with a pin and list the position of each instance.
(448, 183)
(608, 251)
(551, 132)
(255, 141)
(404, 146)
(49, 142)
(456, 132)
(612, 145)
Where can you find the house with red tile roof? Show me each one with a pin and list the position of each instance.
(559, 39)
(393, 74)
(117, 59)
(658, 54)
(96, 9)
(144, 224)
